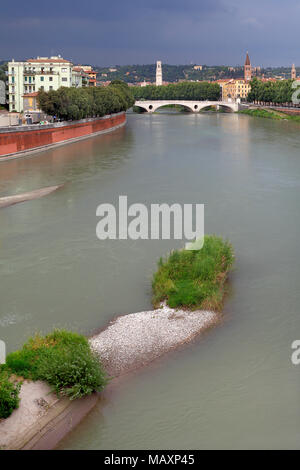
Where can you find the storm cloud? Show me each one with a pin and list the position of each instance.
(128, 32)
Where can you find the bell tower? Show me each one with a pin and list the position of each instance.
(247, 69)
(293, 73)
(158, 73)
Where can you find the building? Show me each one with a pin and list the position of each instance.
(293, 73)
(42, 73)
(158, 73)
(235, 89)
(247, 69)
(198, 67)
(89, 76)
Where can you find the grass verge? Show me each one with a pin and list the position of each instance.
(272, 114)
(194, 279)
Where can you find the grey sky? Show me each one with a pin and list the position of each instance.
(137, 31)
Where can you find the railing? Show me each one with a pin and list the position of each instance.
(39, 72)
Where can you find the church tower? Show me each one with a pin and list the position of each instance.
(293, 73)
(247, 69)
(158, 73)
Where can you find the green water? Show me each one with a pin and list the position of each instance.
(236, 386)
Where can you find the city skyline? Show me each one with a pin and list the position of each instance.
(214, 32)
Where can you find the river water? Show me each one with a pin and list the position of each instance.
(236, 386)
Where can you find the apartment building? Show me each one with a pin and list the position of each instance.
(42, 73)
(235, 89)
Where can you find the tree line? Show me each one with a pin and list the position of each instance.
(279, 92)
(80, 103)
(200, 91)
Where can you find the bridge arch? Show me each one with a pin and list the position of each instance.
(189, 107)
(151, 106)
(218, 106)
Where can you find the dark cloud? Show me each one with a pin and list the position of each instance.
(137, 31)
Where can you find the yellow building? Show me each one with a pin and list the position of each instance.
(236, 89)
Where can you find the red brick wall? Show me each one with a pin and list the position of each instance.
(13, 142)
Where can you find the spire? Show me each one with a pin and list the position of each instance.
(247, 62)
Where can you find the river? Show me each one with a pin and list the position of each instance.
(236, 386)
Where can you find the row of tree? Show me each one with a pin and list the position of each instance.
(271, 92)
(180, 91)
(80, 103)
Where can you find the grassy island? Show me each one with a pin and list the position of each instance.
(194, 279)
(62, 359)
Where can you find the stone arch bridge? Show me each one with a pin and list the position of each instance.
(195, 106)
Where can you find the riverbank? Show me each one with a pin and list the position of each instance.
(19, 141)
(129, 342)
(270, 113)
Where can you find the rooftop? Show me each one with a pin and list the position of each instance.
(52, 60)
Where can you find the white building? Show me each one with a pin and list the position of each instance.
(158, 73)
(42, 73)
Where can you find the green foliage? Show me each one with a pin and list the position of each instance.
(171, 73)
(194, 279)
(63, 359)
(180, 91)
(271, 92)
(3, 70)
(263, 113)
(9, 395)
(80, 103)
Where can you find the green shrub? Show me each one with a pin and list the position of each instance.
(9, 395)
(73, 371)
(63, 359)
(194, 279)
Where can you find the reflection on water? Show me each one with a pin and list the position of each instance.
(234, 388)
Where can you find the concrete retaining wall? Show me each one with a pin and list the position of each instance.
(20, 139)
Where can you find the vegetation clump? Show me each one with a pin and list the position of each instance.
(200, 91)
(63, 359)
(278, 92)
(80, 103)
(9, 395)
(194, 279)
(272, 114)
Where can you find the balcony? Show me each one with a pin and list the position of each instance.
(39, 72)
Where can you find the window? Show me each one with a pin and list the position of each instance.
(64, 70)
(42, 79)
(50, 79)
(42, 88)
(64, 79)
(13, 97)
(50, 87)
(26, 79)
(12, 79)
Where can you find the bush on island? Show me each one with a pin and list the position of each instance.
(63, 359)
(194, 279)
(9, 395)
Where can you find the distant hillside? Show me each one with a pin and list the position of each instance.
(174, 73)
(171, 73)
